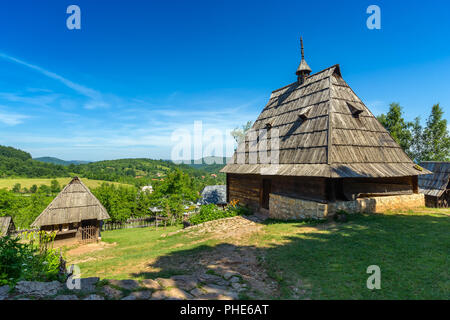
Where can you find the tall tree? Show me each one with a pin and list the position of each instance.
(436, 136)
(417, 148)
(399, 129)
(239, 133)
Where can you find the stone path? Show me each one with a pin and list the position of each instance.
(180, 287)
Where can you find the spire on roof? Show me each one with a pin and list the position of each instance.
(303, 69)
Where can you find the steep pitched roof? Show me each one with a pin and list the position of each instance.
(73, 204)
(5, 223)
(325, 130)
(436, 183)
(214, 194)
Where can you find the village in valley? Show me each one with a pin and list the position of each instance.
(320, 195)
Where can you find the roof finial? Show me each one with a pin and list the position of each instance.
(303, 69)
(301, 45)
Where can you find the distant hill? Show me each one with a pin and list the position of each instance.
(60, 161)
(15, 163)
(18, 163)
(210, 164)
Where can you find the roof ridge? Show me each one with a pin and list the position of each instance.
(311, 75)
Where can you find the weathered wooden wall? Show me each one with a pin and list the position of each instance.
(248, 188)
(353, 187)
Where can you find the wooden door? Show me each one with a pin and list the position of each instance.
(265, 193)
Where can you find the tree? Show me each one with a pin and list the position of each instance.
(33, 188)
(417, 143)
(16, 188)
(239, 133)
(397, 127)
(436, 137)
(55, 187)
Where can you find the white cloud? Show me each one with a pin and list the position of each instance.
(11, 119)
(95, 96)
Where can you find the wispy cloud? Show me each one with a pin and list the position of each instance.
(96, 98)
(11, 119)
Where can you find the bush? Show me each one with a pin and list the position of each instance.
(212, 212)
(28, 261)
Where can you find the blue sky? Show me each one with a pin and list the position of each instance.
(138, 70)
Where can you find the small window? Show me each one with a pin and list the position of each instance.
(304, 114)
(268, 126)
(355, 110)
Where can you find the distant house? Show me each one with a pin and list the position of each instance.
(147, 188)
(6, 226)
(214, 194)
(75, 214)
(328, 153)
(436, 186)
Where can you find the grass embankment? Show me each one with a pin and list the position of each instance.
(328, 260)
(28, 182)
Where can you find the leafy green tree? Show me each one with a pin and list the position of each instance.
(239, 133)
(33, 188)
(436, 137)
(55, 187)
(395, 124)
(16, 188)
(417, 147)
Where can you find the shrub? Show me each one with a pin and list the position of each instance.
(212, 212)
(28, 261)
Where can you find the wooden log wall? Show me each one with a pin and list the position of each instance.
(248, 188)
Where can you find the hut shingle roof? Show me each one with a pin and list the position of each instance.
(436, 183)
(325, 130)
(73, 204)
(5, 222)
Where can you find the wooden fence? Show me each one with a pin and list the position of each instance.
(135, 223)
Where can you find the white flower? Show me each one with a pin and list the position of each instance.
(45, 262)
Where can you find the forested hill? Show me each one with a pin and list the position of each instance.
(59, 161)
(19, 164)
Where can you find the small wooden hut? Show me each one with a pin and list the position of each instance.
(436, 186)
(7, 226)
(331, 153)
(75, 214)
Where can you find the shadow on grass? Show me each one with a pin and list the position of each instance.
(412, 252)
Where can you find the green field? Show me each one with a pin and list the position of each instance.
(314, 260)
(28, 182)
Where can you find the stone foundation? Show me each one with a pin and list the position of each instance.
(289, 208)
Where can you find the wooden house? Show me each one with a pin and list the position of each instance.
(436, 186)
(75, 214)
(7, 226)
(325, 151)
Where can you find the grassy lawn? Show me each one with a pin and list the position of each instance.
(412, 251)
(133, 250)
(28, 182)
(327, 260)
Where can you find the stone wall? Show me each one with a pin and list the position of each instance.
(287, 208)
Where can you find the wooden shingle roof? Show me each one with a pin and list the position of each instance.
(73, 204)
(5, 223)
(436, 183)
(325, 130)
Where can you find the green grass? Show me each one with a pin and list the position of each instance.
(411, 250)
(135, 250)
(327, 261)
(28, 182)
